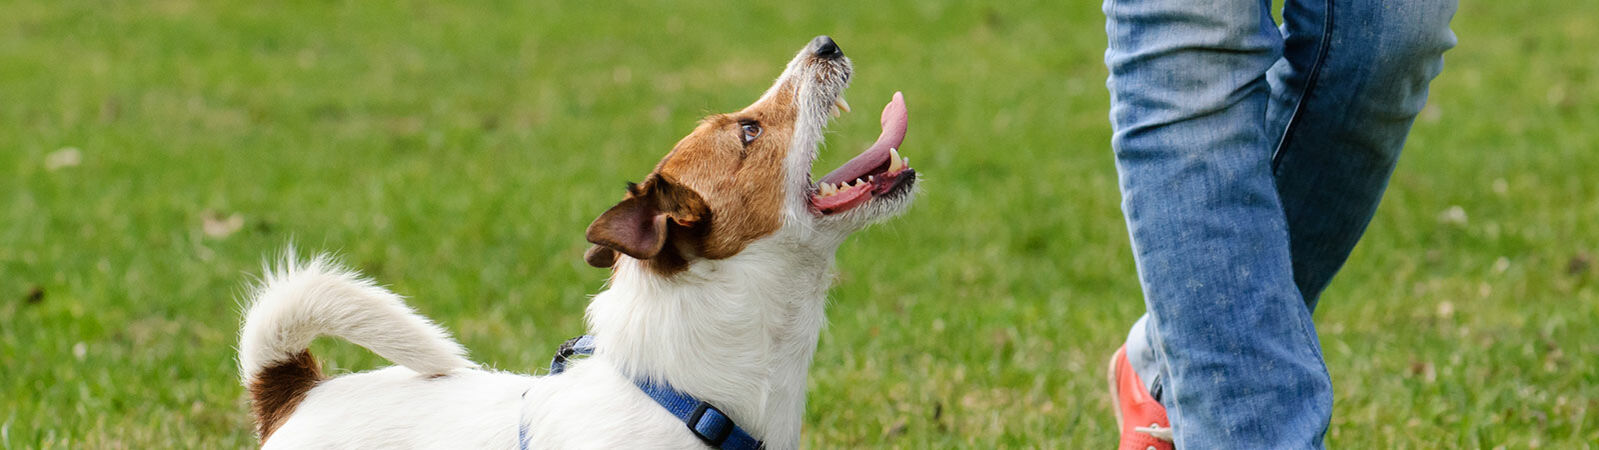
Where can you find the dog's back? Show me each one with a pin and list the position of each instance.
(396, 407)
(434, 398)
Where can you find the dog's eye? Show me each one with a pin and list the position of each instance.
(752, 130)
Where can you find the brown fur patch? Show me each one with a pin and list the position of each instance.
(739, 187)
(277, 390)
(743, 186)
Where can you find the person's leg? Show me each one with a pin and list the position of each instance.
(1353, 77)
(1240, 364)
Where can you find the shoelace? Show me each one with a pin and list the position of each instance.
(1159, 432)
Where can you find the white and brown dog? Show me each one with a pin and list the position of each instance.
(721, 259)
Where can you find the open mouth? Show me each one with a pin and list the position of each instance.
(879, 171)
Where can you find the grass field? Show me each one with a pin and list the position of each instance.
(456, 152)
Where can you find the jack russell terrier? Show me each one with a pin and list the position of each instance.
(721, 259)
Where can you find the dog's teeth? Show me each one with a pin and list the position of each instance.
(828, 189)
(841, 104)
(871, 178)
(894, 162)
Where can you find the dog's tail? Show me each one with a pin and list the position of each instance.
(296, 302)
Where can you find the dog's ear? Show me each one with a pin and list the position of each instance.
(634, 227)
(600, 256)
(643, 225)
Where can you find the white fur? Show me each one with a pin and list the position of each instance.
(738, 332)
(297, 303)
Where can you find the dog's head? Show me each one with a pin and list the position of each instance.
(744, 176)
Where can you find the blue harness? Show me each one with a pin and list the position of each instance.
(707, 422)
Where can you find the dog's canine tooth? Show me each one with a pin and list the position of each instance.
(841, 104)
(894, 163)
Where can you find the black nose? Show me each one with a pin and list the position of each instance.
(826, 48)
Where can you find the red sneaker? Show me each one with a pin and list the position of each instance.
(1141, 419)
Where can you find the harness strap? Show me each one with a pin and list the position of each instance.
(711, 425)
(705, 420)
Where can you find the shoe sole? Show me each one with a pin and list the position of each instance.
(1115, 391)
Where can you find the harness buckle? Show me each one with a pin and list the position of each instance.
(581, 345)
(710, 424)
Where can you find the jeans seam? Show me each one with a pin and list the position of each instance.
(1324, 46)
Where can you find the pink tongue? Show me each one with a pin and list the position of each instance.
(895, 118)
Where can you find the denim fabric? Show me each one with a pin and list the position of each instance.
(1251, 160)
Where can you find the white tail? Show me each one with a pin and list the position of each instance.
(296, 302)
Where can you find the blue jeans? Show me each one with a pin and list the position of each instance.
(1251, 160)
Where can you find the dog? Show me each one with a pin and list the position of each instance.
(720, 262)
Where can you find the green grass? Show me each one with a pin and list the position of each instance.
(456, 152)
